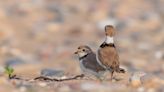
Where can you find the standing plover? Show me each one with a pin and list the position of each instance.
(88, 62)
(107, 55)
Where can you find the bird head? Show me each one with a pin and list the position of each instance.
(109, 30)
(83, 50)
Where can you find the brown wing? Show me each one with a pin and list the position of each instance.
(90, 62)
(108, 57)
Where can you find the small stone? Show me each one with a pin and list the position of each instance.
(42, 84)
(14, 61)
(52, 73)
(65, 88)
(91, 86)
(88, 86)
(158, 55)
(135, 79)
(141, 89)
(22, 89)
(63, 77)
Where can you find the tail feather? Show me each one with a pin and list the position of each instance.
(120, 70)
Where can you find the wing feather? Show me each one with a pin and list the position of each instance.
(109, 57)
(91, 63)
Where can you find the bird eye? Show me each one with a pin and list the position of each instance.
(83, 49)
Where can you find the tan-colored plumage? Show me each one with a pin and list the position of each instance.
(109, 57)
(109, 30)
(107, 54)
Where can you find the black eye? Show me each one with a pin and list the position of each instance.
(83, 49)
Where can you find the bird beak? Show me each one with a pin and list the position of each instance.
(75, 52)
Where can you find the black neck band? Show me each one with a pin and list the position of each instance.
(107, 45)
(83, 57)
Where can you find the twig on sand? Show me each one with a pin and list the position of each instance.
(14, 77)
(59, 80)
(48, 79)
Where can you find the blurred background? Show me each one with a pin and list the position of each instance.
(40, 34)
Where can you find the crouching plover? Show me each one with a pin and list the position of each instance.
(88, 62)
(107, 55)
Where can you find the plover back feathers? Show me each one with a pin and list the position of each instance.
(90, 62)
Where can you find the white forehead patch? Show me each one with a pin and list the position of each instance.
(81, 54)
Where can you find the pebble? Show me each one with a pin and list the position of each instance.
(65, 88)
(159, 55)
(91, 86)
(141, 89)
(42, 84)
(135, 79)
(52, 73)
(14, 61)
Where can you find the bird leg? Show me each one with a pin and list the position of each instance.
(112, 72)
